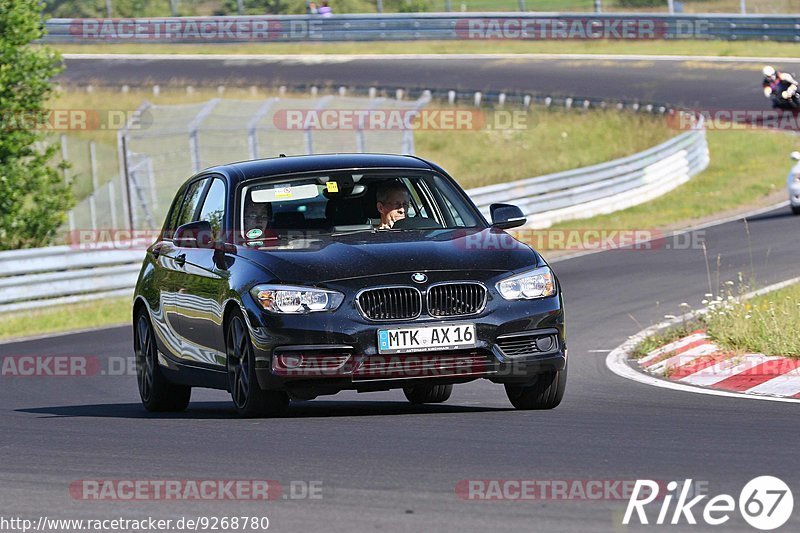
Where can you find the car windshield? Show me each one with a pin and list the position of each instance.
(350, 202)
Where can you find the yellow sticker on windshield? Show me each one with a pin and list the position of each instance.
(332, 186)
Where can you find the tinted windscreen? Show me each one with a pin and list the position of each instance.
(352, 202)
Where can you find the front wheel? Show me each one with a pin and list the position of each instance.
(157, 393)
(796, 209)
(545, 393)
(428, 393)
(250, 399)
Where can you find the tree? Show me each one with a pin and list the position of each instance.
(33, 195)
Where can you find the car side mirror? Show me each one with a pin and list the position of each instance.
(506, 216)
(795, 155)
(194, 235)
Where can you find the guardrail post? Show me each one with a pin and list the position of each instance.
(522, 5)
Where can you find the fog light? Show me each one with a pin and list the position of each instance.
(545, 344)
(291, 361)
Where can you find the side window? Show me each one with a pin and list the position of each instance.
(213, 209)
(190, 201)
(172, 218)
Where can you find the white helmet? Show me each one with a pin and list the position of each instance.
(768, 71)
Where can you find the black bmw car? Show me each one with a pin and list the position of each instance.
(293, 277)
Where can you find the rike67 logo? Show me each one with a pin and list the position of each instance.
(765, 502)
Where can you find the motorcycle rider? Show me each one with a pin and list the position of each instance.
(778, 85)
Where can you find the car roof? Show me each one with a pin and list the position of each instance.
(274, 166)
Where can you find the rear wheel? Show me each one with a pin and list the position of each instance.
(250, 400)
(428, 393)
(157, 393)
(545, 393)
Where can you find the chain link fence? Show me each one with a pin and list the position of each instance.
(131, 185)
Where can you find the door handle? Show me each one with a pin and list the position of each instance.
(181, 259)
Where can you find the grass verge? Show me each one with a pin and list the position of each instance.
(114, 311)
(746, 167)
(643, 47)
(765, 324)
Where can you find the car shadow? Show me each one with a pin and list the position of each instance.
(223, 410)
(772, 215)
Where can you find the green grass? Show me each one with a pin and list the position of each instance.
(65, 318)
(745, 167)
(547, 144)
(765, 324)
(681, 47)
(161, 8)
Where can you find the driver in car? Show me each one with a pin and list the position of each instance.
(392, 203)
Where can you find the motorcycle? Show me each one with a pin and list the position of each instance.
(785, 95)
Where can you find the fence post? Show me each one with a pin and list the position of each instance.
(598, 6)
(194, 126)
(112, 202)
(64, 158)
(252, 126)
(126, 181)
(93, 169)
(522, 5)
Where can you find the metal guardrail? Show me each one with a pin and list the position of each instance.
(603, 188)
(425, 26)
(60, 274)
(57, 275)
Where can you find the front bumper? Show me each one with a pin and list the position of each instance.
(324, 353)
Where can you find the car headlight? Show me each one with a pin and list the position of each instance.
(536, 283)
(296, 300)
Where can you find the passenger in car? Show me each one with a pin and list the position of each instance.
(392, 203)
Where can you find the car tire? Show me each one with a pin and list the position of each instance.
(158, 394)
(796, 209)
(250, 399)
(428, 393)
(545, 393)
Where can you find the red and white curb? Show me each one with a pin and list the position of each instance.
(696, 360)
(694, 364)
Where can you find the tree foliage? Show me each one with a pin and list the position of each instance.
(33, 195)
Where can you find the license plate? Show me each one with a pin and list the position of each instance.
(426, 339)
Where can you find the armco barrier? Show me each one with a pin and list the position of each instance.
(55, 275)
(59, 274)
(426, 26)
(603, 188)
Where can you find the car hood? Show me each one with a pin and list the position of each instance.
(326, 258)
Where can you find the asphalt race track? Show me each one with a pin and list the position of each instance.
(387, 466)
(694, 84)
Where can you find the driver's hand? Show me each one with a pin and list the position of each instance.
(785, 94)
